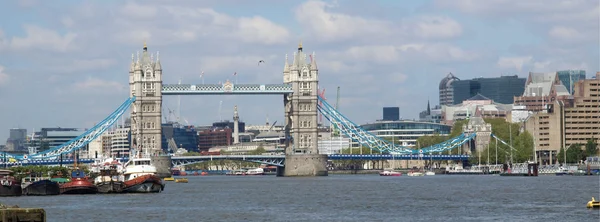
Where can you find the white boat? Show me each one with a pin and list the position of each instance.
(415, 174)
(429, 173)
(141, 176)
(255, 171)
(390, 173)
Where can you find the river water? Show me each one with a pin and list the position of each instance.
(337, 198)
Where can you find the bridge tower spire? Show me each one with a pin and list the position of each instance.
(145, 84)
(301, 152)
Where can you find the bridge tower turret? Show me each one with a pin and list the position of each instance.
(145, 82)
(302, 154)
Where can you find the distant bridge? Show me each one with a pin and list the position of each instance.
(272, 160)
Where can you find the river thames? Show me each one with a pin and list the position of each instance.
(337, 198)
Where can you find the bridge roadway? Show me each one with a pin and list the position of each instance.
(274, 160)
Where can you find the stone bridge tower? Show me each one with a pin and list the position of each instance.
(483, 132)
(301, 153)
(145, 83)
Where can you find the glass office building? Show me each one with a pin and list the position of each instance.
(405, 133)
(501, 90)
(569, 77)
(177, 136)
(391, 113)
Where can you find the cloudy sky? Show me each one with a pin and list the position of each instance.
(66, 63)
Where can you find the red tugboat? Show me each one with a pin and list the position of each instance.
(79, 184)
(9, 186)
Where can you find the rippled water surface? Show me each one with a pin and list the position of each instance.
(338, 198)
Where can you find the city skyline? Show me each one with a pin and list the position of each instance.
(70, 69)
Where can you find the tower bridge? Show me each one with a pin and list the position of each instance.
(301, 102)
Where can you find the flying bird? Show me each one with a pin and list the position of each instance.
(263, 61)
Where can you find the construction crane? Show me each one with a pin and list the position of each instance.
(337, 100)
(332, 129)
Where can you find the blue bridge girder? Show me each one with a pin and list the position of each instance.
(226, 88)
(271, 160)
(44, 162)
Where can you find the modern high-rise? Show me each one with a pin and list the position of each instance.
(391, 113)
(446, 90)
(570, 77)
(502, 89)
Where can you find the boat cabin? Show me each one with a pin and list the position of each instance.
(78, 174)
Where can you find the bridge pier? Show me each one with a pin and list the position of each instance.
(298, 165)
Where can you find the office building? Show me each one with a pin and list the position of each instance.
(120, 142)
(542, 89)
(404, 132)
(569, 77)
(49, 138)
(178, 136)
(567, 122)
(17, 141)
(479, 106)
(215, 137)
(446, 90)
(391, 113)
(501, 90)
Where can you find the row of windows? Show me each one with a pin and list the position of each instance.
(305, 85)
(305, 107)
(148, 108)
(305, 140)
(150, 125)
(305, 124)
(148, 85)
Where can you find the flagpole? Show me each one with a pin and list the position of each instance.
(202, 77)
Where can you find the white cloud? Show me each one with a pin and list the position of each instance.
(328, 26)
(437, 27)
(78, 65)
(514, 62)
(170, 23)
(565, 33)
(394, 54)
(96, 85)
(320, 22)
(246, 67)
(42, 38)
(4, 78)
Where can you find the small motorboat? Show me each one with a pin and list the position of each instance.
(429, 173)
(181, 180)
(415, 174)
(169, 179)
(593, 204)
(389, 173)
